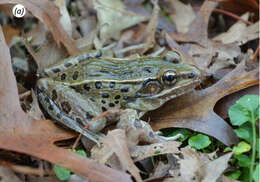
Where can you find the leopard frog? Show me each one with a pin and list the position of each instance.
(79, 88)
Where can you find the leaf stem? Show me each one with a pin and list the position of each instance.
(253, 120)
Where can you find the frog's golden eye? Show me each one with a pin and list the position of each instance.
(169, 77)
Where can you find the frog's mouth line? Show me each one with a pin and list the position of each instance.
(179, 90)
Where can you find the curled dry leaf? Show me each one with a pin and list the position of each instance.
(113, 17)
(182, 15)
(21, 133)
(195, 110)
(49, 14)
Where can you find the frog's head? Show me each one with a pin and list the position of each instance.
(171, 80)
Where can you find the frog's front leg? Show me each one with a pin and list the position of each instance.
(138, 130)
(70, 108)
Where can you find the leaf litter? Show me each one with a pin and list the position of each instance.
(121, 150)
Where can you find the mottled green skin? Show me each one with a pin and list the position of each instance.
(82, 87)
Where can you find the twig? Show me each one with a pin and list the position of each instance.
(25, 94)
(228, 14)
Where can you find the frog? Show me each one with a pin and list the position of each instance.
(79, 88)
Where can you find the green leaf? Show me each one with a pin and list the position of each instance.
(184, 132)
(234, 175)
(81, 152)
(238, 115)
(199, 141)
(245, 174)
(227, 149)
(249, 102)
(62, 173)
(245, 132)
(256, 173)
(243, 160)
(242, 147)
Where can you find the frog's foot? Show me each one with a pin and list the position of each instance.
(138, 130)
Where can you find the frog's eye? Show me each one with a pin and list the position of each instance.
(169, 77)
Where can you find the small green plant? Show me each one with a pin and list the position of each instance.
(199, 141)
(62, 173)
(244, 115)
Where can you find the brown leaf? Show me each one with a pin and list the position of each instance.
(182, 15)
(116, 140)
(49, 14)
(197, 167)
(21, 133)
(195, 110)
(10, 33)
(199, 47)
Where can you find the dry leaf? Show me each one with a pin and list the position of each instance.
(116, 140)
(65, 17)
(239, 33)
(49, 14)
(182, 15)
(8, 175)
(10, 33)
(214, 169)
(113, 18)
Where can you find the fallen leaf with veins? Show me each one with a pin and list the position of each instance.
(49, 14)
(115, 142)
(195, 110)
(21, 133)
(182, 15)
(239, 33)
(113, 17)
(195, 42)
(197, 167)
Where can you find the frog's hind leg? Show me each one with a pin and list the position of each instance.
(56, 111)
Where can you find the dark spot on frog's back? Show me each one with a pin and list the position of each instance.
(112, 84)
(111, 105)
(98, 85)
(104, 109)
(124, 89)
(67, 65)
(66, 107)
(75, 75)
(79, 121)
(117, 97)
(55, 70)
(89, 116)
(105, 95)
(148, 69)
(99, 54)
(50, 107)
(81, 59)
(63, 76)
(87, 87)
(54, 95)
